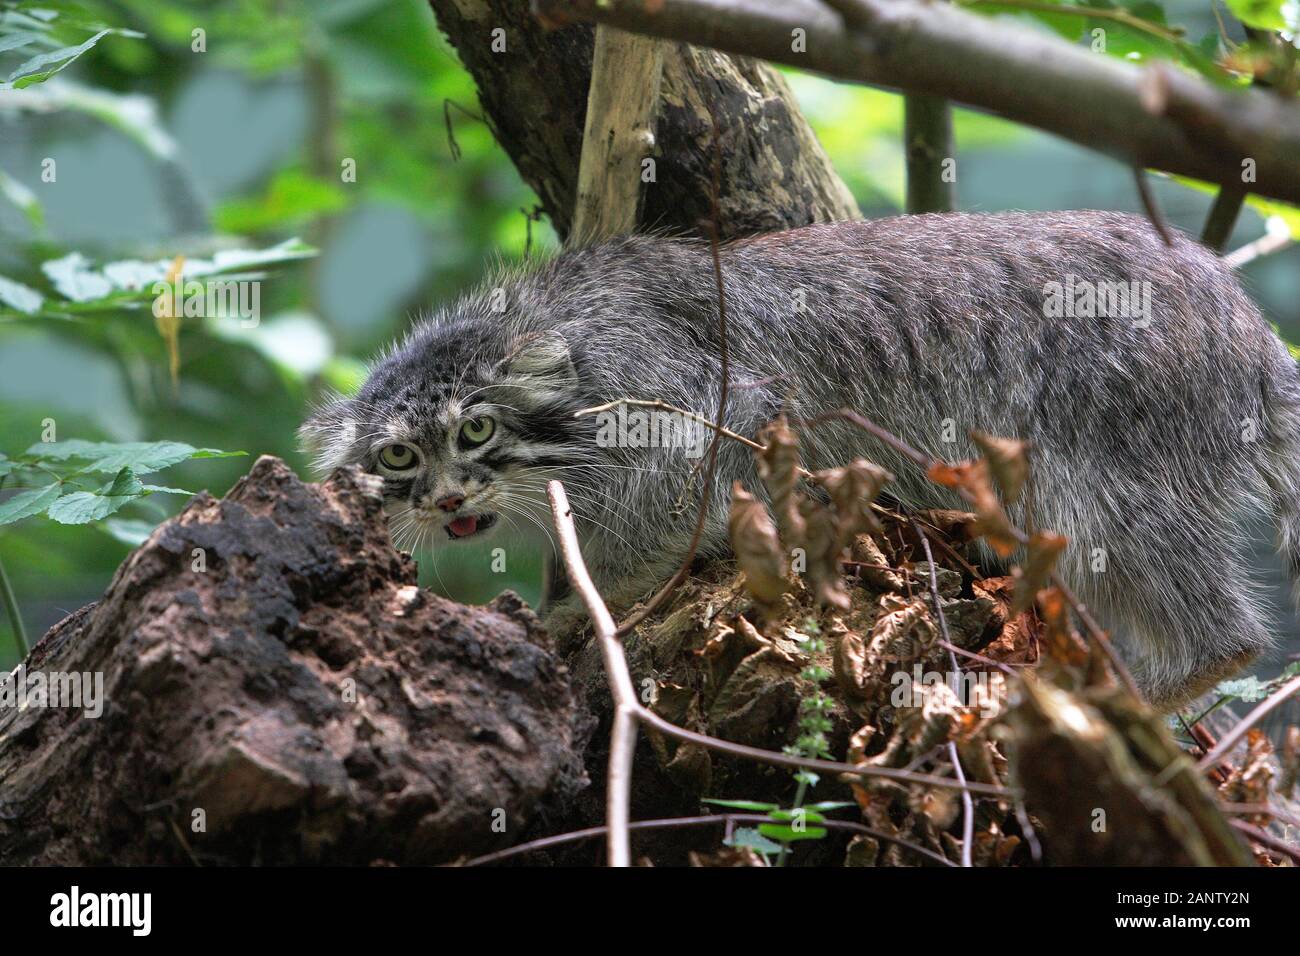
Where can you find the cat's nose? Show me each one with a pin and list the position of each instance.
(450, 503)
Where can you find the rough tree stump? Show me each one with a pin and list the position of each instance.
(272, 672)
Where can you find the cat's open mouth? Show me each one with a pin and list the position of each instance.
(467, 525)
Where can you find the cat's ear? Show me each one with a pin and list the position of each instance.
(540, 364)
(328, 434)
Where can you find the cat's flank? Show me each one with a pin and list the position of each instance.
(1163, 411)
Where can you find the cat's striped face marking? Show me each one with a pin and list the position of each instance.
(463, 437)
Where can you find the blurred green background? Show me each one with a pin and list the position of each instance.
(162, 150)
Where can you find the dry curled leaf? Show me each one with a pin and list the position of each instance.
(757, 548)
(871, 565)
(904, 632)
(1249, 781)
(778, 467)
(851, 667)
(1019, 633)
(823, 551)
(1041, 554)
(852, 489)
(1064, 644)
(1289, 757)
(992, 522)
(1008, 463)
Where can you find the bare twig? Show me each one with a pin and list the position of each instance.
(712, 819)
(979, 657)
(1261, 809)
(665, 407)
(623, 738)
(11, 608)
(1277, 236)
(452, 146)
(968, 805)
(1237, 733)
(1027, 828)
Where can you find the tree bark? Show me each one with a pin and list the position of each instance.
(534, 93)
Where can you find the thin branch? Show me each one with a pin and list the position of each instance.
(1027, 828)
(1261, 809)
(14, 615)
(1150, 206)
(1277, 236)
(979, 657)
(677, 823)
(623, 737)
(11, 609)
(968, 805)
(665, 407)
(1091, 13)
(1223, 217)
(1155, 116)
(1237, 733)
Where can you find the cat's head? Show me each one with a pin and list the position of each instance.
(465, 424)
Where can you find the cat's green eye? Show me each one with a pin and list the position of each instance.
(398, 457)
(476, 431)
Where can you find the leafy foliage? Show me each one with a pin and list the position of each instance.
(40, 33)
(72, 496)
(1139, 31)
(129, 283)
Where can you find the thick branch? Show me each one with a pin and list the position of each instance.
(534, 92)
(927, 142)
(1155, 117)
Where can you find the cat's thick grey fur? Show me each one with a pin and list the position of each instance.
(1155, 437)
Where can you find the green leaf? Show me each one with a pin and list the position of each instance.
(743, 805)
(18, 39)
(24, 199)
(81, 507)
(162, 490)
(141, 457)
(1248, 689)
(129, 531)
(1263, 14)
(788, 816)
(788, 834)
(20, 297)
(28, 503)
(749, 837)
(828, 805)
(42, 67)
(1251, 689)
(75, 279)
